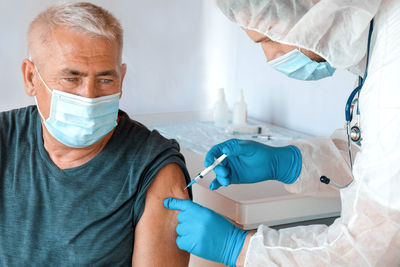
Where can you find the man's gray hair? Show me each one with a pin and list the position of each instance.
(82, 17)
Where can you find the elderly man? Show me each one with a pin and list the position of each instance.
(82, 183)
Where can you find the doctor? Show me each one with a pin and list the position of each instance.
(307, 40)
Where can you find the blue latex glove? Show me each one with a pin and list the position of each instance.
(252, 162)
(205, 233)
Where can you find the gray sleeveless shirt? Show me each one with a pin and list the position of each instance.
(83, 216)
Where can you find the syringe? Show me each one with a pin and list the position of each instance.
(207, 170)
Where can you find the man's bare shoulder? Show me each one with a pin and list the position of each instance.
(155, 234)
(170, 180)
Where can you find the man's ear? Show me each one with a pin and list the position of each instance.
(28, 72)
(123, 72)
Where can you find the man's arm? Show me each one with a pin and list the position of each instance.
(155, 235)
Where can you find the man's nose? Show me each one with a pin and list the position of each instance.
(89, 89)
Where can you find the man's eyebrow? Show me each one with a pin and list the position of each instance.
(112, 73)
(67, 71)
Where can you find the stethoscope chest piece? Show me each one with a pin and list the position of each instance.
(355, 134)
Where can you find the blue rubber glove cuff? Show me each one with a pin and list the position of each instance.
(294, 165)
(235, 246)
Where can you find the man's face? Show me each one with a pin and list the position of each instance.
(273, 50)
(78, 64)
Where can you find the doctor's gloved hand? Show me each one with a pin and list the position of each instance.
(252, 162)
(205, 233)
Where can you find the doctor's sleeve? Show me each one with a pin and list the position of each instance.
(323, 156)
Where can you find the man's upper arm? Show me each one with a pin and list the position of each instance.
(155, 236)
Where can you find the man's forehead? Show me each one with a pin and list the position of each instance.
(71, 41)
(66, 44)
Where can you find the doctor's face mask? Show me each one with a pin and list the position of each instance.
(298, 66)
(78, 121)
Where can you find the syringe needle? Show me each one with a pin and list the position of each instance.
(191, 183)
(207, 170)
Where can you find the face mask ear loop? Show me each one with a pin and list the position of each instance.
(40, 77)
(51, 92)
(40, 113)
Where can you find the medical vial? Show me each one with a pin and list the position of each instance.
(240, 110)
(221, 111)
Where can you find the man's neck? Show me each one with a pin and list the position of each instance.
(65, 157)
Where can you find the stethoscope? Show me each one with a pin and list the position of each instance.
(352, 104)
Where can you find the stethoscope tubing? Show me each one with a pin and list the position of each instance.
(349, 115)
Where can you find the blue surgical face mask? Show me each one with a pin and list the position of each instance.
(298, 66)
(78, 121)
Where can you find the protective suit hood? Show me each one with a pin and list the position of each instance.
(337, 30)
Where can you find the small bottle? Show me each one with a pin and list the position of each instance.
(240, 110)
(221, 111)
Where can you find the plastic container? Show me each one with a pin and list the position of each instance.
(240, 111)
(221, 111)
(247, 129)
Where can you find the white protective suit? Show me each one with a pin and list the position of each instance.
(368, 231)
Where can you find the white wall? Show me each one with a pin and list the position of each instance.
(178, 53)
(163, 43)
(314, 107)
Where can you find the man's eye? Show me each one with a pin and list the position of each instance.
(70, 79)
(106, 81)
